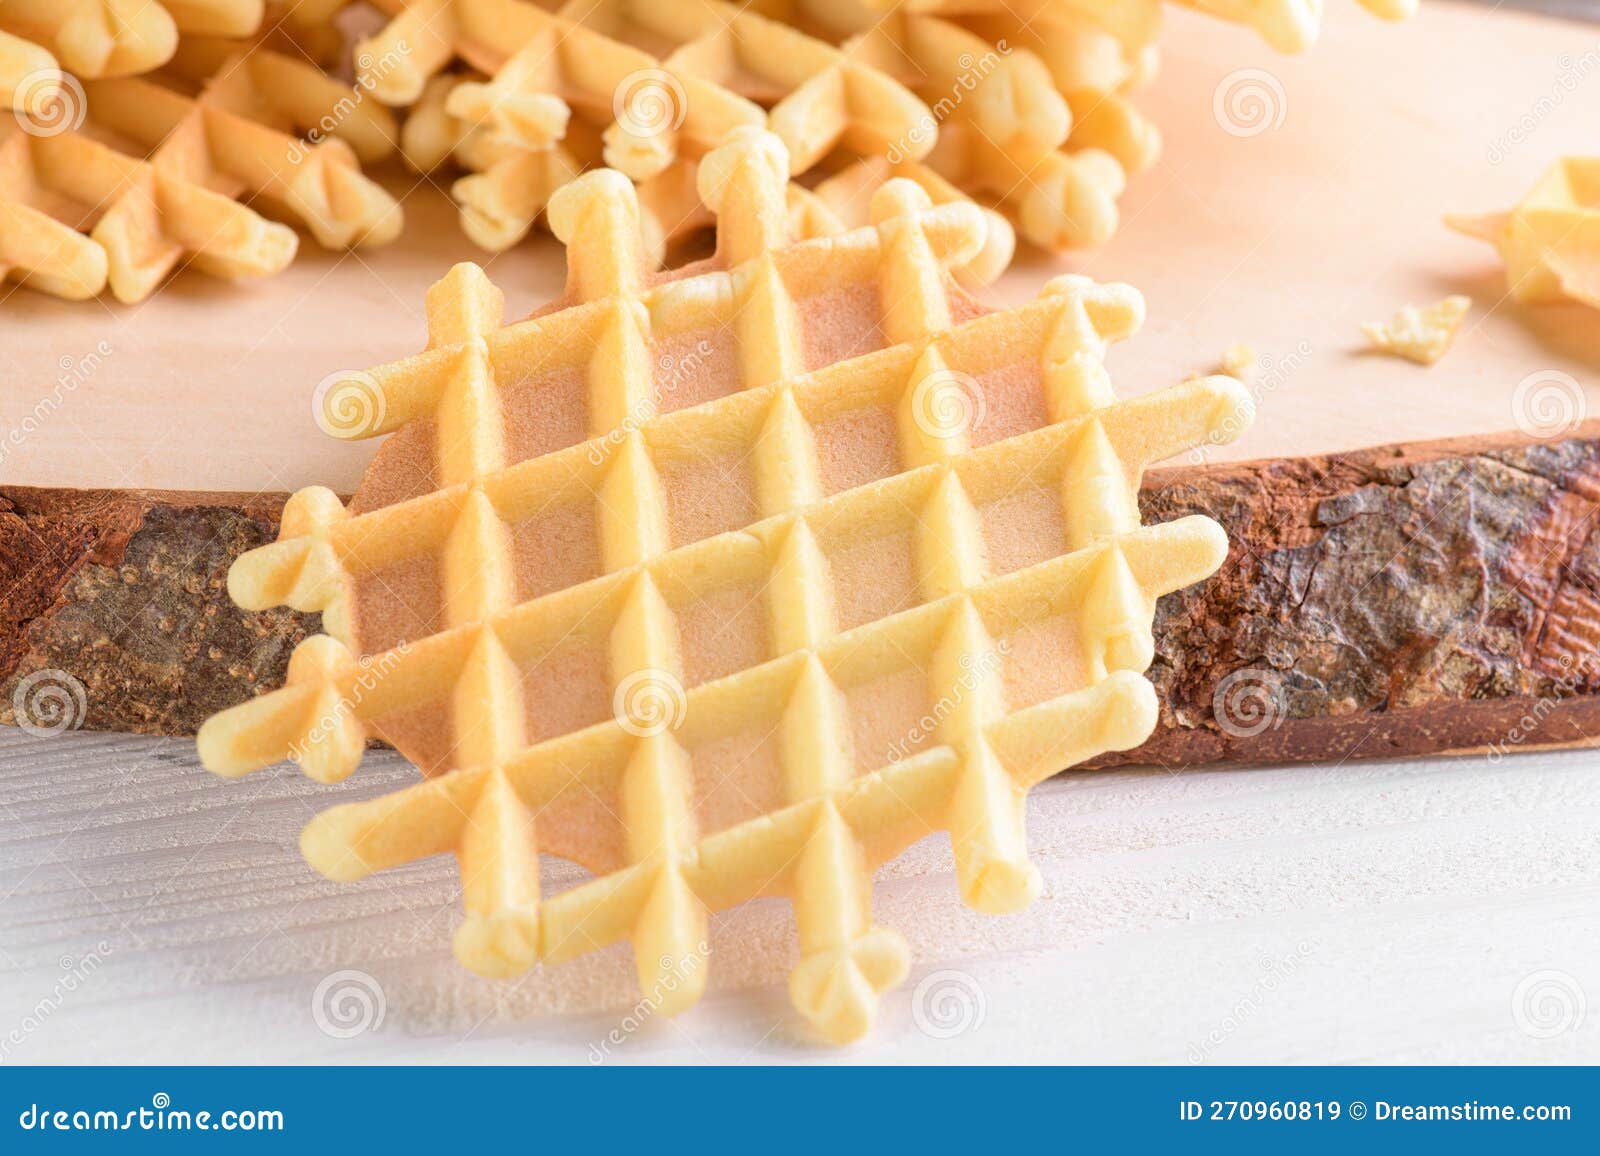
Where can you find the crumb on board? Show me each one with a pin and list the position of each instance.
(1420, 333)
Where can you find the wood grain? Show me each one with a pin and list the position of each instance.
(1287, 235)
(1386, 912)
(1403, 600)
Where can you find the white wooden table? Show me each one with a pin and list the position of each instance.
(1444, 910)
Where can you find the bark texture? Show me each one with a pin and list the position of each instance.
(124, 592)
(1403, 600)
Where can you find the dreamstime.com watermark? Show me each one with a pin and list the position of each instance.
(372, 669)
(159, 1116)
(949, 1003)
(49, 702)
(974, 669)
(370, 72)
(972, 71)
(74, 372)
(1249, 102)
(348, 1003)
(1269, 375)
(1249, 702)
(1572, 72)
(1549, 1003)
(673, 371)
(1273, 971)
(673, 973)
(1574, 677)
(75, 972)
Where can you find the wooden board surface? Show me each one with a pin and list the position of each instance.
(1287, 239)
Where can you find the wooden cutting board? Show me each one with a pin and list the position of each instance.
(1287, 239)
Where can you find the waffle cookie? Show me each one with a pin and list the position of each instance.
(511, 185)
(95, 38)
(138, 175)
(1550, 243)
(646, 88)
(759, 620)
(1034, 122)
(1287, 25)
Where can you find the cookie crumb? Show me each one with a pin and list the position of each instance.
(1421, 334)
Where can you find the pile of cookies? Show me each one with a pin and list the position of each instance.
(143, 140)
(146, 137)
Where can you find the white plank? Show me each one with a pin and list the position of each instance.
(1370, 912)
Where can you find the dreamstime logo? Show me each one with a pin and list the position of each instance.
(49, 702)
(75, 371)
(673, 371)
(370, 72)
(48, 103)
(672, 972)
(1273, 972)
(1574, 676)
(1548, 404)
(649, 101)
(1571, 72)
(75, 973)
(920, 137)
(349, 405)
(1249, 702)
(1547, 1004)
(348, 1003)
(1248, 102)
(649, 702)
(974, 669)
(947, 403)
(948, 1004)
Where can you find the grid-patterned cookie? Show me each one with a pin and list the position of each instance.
(584, 59)
(510, 185)
(138, 175)
(1033, 116)
(1029, 104)
(621, 347)
(646, 88)
(867, 727)
(750, 646)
